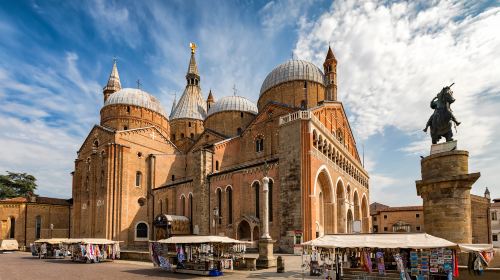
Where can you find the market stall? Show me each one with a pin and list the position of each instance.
(49, 248)
(93, 250)
(387, 255)
(193, 254)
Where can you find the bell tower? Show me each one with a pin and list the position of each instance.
(330, 69)
(113, 84)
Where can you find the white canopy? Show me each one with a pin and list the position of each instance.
(99, 241)
(52, 240)
(381, 240)
(188, 239)
(475, 247)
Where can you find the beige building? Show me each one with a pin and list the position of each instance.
(206, 160)
(32, 218)
(495, 222)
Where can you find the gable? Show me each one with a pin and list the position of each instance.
(271, 110)
(150, 137)
(101, 134)
(332, 115)
(208, 137)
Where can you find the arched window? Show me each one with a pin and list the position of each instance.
(183, 205)
(191, 206)
(141, 231)
(12, 231)
(125, 127)
(270, 201)
(219, 205)
(173, 136)
(192, 135)
(189, 124)
(217, 165)
(257, 199)
(138, 179)
(38, 227)
(128, 109)
(173, 177)
(259, 144)
(229, 192)
(241, 114)
(238, 130)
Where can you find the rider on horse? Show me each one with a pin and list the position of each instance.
(438, 103)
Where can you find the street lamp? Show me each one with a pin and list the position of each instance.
(216, 217)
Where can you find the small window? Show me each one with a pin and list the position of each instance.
(139, 154)
(173, 137)
(495, 237)
(138, 179)
(241, 114)
(417, 215)
(259, 144)
(182, 135)
(305, 84)
(385, 228)
(189, 124)
(192, 135)
(374, 218)
(173, 177)
(125, 127)
(375, 228)
(128, 109)
(141, 201)
(494, 216)
(38, 227)
(418, 228)
(303, 104)
(238, 131)
(217, 165)
(141, 231)
(385, 217)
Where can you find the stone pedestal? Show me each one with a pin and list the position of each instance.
(266, 257)
(445, 191)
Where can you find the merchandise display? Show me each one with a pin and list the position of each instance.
(93, 250)
(202, 255)
(48, 248)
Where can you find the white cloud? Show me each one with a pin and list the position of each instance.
(277, 14)
(395, 57)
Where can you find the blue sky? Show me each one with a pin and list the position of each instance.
(393, 58)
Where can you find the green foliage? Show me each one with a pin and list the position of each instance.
(16, 184)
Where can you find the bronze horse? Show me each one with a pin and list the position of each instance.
(440, 121)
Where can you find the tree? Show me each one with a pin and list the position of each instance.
(16, 184)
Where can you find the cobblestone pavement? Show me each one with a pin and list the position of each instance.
(22, 266)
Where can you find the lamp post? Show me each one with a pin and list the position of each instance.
(216, 216)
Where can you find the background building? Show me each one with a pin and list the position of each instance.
(207, 158)
(495, 222)
(35, 217)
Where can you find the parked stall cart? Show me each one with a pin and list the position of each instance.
(49, 248)
(200, 255)
(386, 255)
(93, 250)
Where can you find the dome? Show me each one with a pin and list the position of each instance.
(233, 103)
(136, 97)
(292, 70)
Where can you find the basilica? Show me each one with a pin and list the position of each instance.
(204, 162)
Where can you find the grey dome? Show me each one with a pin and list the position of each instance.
(233, 103)
(290, 71)
(136, 97)
(190, 106)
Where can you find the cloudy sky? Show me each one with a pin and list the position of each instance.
(393, 59)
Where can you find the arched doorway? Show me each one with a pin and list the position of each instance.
(349, 221)
(12, 229)
(324, 206)
(365, 215)
(244, 231)
(341, 213)
(357, 209)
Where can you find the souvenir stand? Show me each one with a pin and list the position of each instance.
(93, 250)
(193, 254)
(386, 255)
(49, 248)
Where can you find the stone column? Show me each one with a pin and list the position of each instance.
(265, 209)
(445, 191)
(266, 258)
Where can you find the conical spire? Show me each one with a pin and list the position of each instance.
(210, 97)
(330, 54)
(114, 79)
(113, 85)
(193, 68)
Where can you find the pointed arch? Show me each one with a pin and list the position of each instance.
(341, 208)
(357, 208)
(365, 215)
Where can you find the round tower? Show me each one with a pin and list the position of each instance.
(230, 115)
(187, 117)
(445, 191)
(330, 68)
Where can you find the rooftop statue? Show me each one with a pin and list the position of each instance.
(441, 120)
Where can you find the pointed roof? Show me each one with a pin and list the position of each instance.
(330, 54)
(114, 79)
(193, 68)
(191, 105)
(210, 97)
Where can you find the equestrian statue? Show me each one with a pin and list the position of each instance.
(441, 120)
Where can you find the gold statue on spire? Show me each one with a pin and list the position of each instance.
(193, 47)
